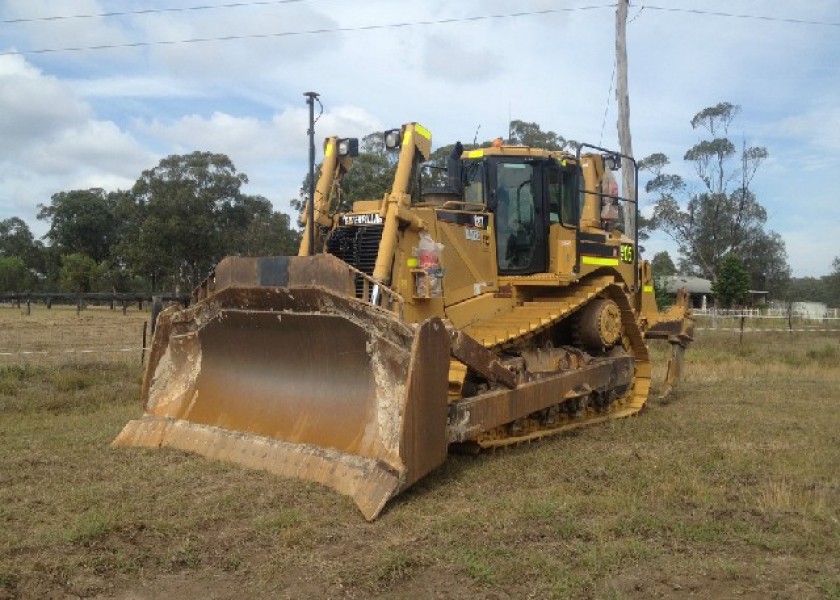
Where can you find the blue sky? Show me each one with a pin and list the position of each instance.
(97, 118)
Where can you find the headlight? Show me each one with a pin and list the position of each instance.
(393, 139)
(348, 147)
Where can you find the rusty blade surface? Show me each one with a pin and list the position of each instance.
(303, 383)
(298, 378)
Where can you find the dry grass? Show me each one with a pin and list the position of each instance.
(60, 335)
(731, 489)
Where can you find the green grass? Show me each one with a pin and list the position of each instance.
(731, 488)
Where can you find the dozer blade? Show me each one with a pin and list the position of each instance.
(301, 381)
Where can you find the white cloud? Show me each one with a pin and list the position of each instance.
(95, 146)
(819, 127)
(61, 33)
(272, 152)
(218, 133)
(252, 139)
(72, 119)
(454, 60)
(134, 86)
(51, 142)
(32, 106)
(257, 28)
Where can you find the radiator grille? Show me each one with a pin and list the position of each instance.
(357, 246)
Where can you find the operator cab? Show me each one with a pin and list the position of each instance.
(527, 195)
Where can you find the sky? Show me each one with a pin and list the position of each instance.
(72, 117)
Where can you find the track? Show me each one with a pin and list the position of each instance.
(580, 404)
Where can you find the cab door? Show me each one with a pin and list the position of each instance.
(563, 196)
(521, 218)
(469, 251)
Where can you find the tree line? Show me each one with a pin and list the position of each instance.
(164, 234)
(182, 216)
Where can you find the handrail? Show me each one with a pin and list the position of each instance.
(634, 201)
(374, 293)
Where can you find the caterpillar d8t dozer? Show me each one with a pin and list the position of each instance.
(501, 307)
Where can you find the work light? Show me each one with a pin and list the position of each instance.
(348, 147)
(393, 140)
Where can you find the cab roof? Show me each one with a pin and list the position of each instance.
(516, 151)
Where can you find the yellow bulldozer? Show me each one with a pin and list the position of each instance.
(503, 306)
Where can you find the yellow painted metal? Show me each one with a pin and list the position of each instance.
(368, 206)
(423, 132)
(646, 303)
(469, 262)
(563, 249)
(414, 148)
(332, 168)
(592, 166)
(344, 417)
(530, 318)
(599, 261)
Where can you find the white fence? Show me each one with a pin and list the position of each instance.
(771, 313)
(768, 320)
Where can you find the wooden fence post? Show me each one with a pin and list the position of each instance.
(143, 350)
(157, 306)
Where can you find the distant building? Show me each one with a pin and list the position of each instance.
(699, 289)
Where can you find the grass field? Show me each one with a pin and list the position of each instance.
(729, 490)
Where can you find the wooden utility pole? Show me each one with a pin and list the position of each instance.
(623, 98)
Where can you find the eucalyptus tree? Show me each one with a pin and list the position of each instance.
(722, 215)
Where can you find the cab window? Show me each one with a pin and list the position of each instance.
(562, 196)
(474, 182)
(516, 222)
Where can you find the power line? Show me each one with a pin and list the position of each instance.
(359, 28)
(739, 16)
(607, 107)
(148, 11)
(311, 31)
(276, 2)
